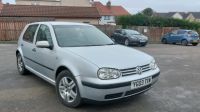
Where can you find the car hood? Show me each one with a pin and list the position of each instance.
(112, 56)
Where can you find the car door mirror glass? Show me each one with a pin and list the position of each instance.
(43, 44)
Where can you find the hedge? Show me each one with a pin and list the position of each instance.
(142, 20)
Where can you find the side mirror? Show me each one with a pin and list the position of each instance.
(43, 44)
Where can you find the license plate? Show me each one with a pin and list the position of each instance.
(142, 40)
(140, 83)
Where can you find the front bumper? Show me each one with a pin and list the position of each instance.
(111, 92)
(194, 41)
(138, 42)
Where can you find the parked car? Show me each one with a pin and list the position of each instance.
(83, 63)
(129, 37)
(184, 37)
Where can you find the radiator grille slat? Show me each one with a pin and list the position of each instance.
(132, 71)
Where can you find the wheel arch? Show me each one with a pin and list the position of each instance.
(164, 38)
(60, 69)
(17, 52)
(184, 39)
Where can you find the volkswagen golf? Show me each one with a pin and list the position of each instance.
(83, 63)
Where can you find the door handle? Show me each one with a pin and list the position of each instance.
(34, 49)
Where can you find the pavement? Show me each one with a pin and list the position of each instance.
(178, 88)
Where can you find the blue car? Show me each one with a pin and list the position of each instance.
(183, 37)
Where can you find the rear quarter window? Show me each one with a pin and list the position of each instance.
(30, 33)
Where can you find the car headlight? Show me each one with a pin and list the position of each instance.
(153, 65)
(108, 73)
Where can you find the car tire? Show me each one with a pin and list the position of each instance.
(143, 45)
(164, 41)
(20, 65)
(126, 42)
(184, 42)
(195, 44)
(67, 89)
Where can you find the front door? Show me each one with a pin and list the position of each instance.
(45, 57)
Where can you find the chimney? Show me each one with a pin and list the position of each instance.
(92, 2)
(108, 4)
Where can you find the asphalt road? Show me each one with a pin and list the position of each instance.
(178, 89)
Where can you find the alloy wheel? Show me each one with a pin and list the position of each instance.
(126, 42)
(68, 89)
(20, 63)
(184, 43)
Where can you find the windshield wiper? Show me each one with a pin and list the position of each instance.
(98, 45)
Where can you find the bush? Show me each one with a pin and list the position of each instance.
(143, 20)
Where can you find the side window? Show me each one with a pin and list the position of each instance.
(174, 32)
(44, 34)
(29, 33)
(118, 31)
(181, 32)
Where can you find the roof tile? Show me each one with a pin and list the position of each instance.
(48, 11)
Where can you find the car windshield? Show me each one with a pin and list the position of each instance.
(132, 32)
(79, 35)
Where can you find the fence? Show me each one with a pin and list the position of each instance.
(154, 33)
(10, 29)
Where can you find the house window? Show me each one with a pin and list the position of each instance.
(106, 17)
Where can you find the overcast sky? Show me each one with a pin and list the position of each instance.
(135, 6)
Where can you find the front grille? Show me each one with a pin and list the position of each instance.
(135, 91)
(132, 71)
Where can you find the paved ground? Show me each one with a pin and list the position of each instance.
(178, 89)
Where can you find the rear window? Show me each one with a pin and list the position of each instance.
(29, 33)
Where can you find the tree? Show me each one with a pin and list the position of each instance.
(148, 12)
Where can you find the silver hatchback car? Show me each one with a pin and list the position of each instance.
(83, 63)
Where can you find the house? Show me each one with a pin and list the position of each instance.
(62, 13)
(85, 3)
(190, 16)
(109, 13)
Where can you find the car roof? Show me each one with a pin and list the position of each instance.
(125, 29)
(184, 30)
(61, 23)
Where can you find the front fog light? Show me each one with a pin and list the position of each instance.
(153, 65)
(108, 73)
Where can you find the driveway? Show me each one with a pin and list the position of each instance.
(178, 89)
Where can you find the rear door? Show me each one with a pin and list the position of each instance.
(28, 45)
